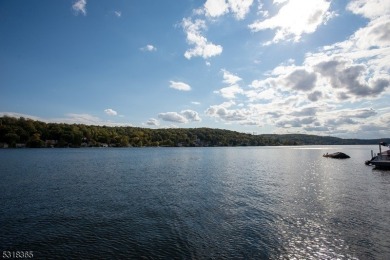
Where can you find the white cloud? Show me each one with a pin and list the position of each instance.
(118, 13)
(70, 118)
(281, 101)
(173, 117)
(230, 78)
(180, 86)
(370, 9)
(280, 1)
(216, 8)
(305, 111)
(86, 119)
(264, 95)
(301, 79)
(80, 119)
(80, 6)
(148, 47)
(315, 96)
(369, 46)
(202, 47)
(295, 18)
(183, 117)
(191, 115)
(233, 89)
(337, 74)
(344, 121)
(340, 121)
(230, 92)
(240, 8)
(223, 112)
(195, 29)
(350, 79)
(195, 103)
(306, 98)
(286, 81)
(357, 68)
(330, 119)
(153, 122)
(264, 91)
(375, 35)
(295, 122)
(18, 115)
(361, 113)
(110, 112)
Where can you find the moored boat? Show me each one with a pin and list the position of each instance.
(382, 159)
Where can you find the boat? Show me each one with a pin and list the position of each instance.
(338, 155)
(382, 159)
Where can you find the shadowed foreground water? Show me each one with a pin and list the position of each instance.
(194, 203)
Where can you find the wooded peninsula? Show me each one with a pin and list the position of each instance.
(22, 132)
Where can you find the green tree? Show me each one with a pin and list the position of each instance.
(11, 139)
(35, 141)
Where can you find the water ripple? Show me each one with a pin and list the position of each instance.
(209, 203)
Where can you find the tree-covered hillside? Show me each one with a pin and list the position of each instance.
(20, 132)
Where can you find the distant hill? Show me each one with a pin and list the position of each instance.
(22, 132)
(304, 139)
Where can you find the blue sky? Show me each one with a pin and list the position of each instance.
(278, 66)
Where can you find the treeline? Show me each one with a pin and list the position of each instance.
(22, 132)
(19, 132)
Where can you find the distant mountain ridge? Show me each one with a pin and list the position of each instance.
(22, 132)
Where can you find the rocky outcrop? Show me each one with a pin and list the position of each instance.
(338, 155)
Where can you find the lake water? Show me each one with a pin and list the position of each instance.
(194, 203)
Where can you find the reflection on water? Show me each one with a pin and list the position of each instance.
(258, 202)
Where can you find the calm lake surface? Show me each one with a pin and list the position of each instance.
(194, 203)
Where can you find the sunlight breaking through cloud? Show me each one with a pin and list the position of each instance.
(294, 19)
